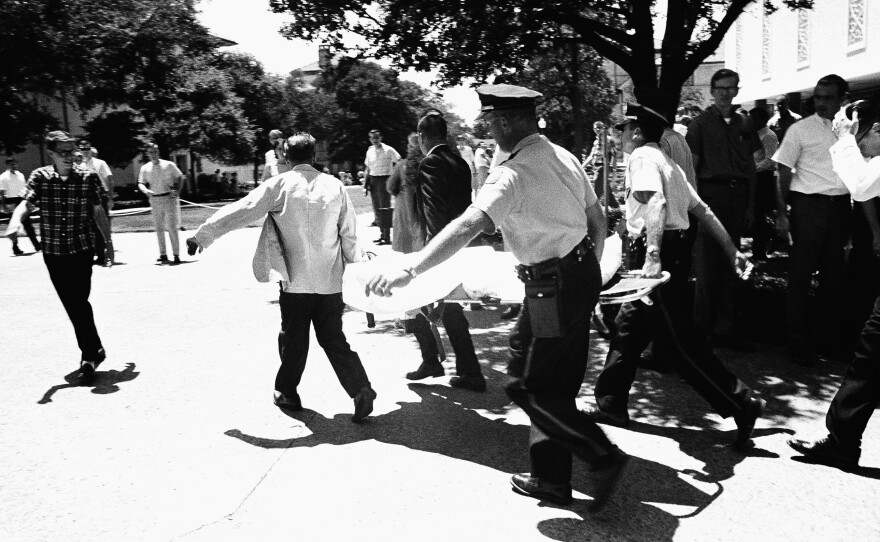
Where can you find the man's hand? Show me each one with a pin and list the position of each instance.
(652, 268)
(193, 246)
(382, 283)
(842, 126)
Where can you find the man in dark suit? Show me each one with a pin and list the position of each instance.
(443, 192)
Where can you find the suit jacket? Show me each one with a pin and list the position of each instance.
(443, 189)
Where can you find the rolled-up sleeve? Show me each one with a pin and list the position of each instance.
(789, 150)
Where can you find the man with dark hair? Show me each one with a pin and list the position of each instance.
(856, 160)
(782, 120)
(765, 186)
(305, 252)
(553, 224)
(69, 197)
(659, 199)
(722, 145)
(379, 163)
(12, 184)
(820, 219)
(443, 192)
(161, 180)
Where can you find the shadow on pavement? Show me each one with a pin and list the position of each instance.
(105, 382)
(872, 473)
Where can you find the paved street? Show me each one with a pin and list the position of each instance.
(178, 438)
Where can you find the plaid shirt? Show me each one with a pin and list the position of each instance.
(66, 207)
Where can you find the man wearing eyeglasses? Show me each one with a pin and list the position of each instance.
(722, 144)
(69, 197)
(819, 222)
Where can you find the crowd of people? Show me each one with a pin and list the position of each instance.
(688, 199)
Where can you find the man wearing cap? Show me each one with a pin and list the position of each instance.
(12, 184)
(160, 180)
(379, 164)
(657, 205)
(722, 145)
(91, 161)
(69, 197)
(544, 205)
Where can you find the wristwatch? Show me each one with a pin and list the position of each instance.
(411, 271)
(653, 250)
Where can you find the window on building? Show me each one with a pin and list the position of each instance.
(855, 40)
(803, 38)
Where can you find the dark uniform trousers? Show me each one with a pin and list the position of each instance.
(71, 276)
(859, 395)
(820, 228)
(552, 378)
(381, 199)
(457, 328)
(670, 325)
(298, 312)
(715, 293)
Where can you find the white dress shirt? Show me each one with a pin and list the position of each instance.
(805, 150)
(861, 177)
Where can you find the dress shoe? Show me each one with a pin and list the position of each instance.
(363, 404)
(474, 382)
(17, 251)
(162, 259)
(745, 422)
(289, 401)
(827, 451)
(86, 373)
(510, 312)
(606, 479)
(530, 486)
(426, 370)
(608, 418)
(732, 342)
(176, 261)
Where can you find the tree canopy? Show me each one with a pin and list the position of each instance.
(479, 38)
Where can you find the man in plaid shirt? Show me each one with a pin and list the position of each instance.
(69, 197)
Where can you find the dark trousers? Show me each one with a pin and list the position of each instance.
(668, 322)
(26, 224)
(458, 330)
(859, 395)
(715, 293)
(381, 201)
(72, 277)
(100, 243)
(552, 378)
(765, 203)
(298, 313)
(820, 228)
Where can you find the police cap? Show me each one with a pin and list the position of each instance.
(501, 97)
(641, 113)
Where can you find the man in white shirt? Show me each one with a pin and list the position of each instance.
(161, 180)
(310, 233)
(91, 161)
(12, 183)
(856, 160)
(380, 162)
(820, 217)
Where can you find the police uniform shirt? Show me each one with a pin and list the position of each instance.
(650, 170)
(538, 198)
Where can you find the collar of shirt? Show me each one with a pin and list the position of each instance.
(529, 140)
(435, 146)
(304, 167)
(819, 121)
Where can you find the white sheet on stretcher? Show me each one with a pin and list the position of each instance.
(481, 271)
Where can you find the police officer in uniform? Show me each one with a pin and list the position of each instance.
(658, 199)
(553, 224)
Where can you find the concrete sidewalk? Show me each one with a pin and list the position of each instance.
(178, 438)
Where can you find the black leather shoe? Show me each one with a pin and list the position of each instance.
(17, 251)
(86, 373)
(745, 422)
(510, 312)
(176, 261)
(608, 418)
(827, 451)
(290, 402)
(527, 485)
(363, 404)
(606, 480)
(162, 259)
(426, 370)
(469, 382)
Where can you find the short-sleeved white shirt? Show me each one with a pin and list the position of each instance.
(12, 183)
(381, 161)
(101, 168)
(650, 170)
(538, 198)
(159, 178)
(805, 149)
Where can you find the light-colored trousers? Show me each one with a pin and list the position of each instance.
(166, 217)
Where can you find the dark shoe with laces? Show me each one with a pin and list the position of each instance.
(827, 451)
(176, 261)
(363, 404)
(745, 422)
(426, 370)
(474, 382)
(530, 486)
(162, 259)
(616, 419)
(17, 251)
(606, 478)
(86, 374)
(289, 401)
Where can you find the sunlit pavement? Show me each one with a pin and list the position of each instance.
(178, 438)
